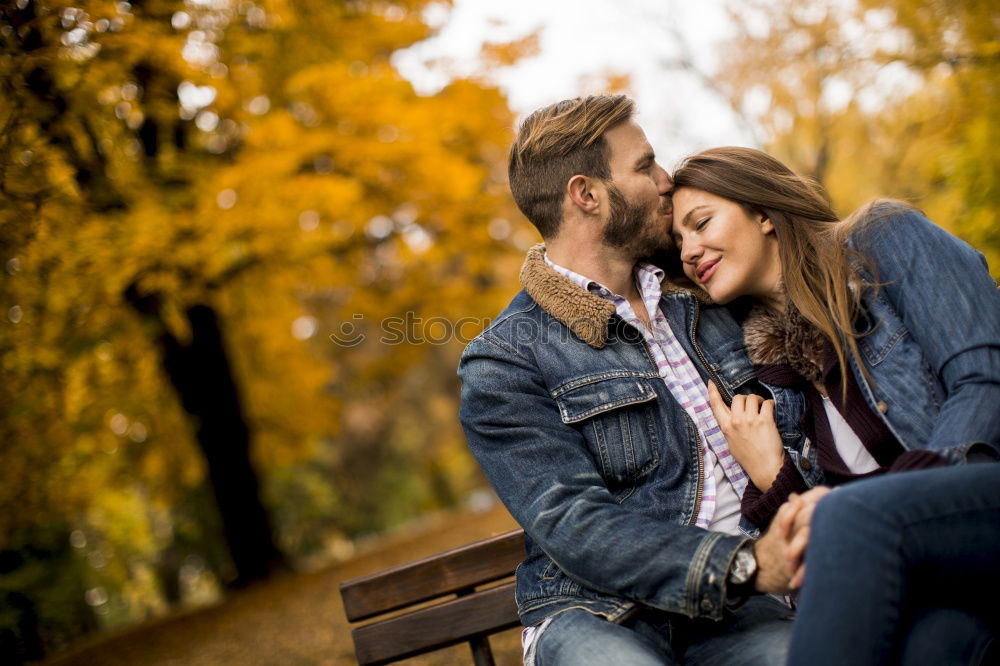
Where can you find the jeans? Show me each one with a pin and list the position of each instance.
(756, 634)
(903, 568)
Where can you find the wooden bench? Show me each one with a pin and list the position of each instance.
(473, 608)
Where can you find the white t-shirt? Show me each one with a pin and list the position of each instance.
(849, 446)
(727, 503)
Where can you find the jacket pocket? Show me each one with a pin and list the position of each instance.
(879, 330)
(618, 424)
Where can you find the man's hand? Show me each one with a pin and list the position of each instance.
(752, 436)
(774, 571)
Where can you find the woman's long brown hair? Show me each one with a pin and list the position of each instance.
(818, 269)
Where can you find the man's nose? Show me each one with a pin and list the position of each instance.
(665, 184)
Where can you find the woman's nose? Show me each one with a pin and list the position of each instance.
(690, 251)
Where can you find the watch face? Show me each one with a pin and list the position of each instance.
(743, 567)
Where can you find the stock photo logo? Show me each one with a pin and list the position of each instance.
(412, 329)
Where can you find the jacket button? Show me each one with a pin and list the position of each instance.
(805, 464)
(706, 603)
(882, 407)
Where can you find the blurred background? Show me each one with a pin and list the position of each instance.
(243, 243)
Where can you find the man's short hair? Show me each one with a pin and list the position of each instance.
(554, 144)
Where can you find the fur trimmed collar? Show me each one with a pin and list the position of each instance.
(771, 338)
(789, 339)
(583, 313)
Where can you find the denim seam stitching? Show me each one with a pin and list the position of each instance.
(501, 344)
(602, 408)
(697, 568)
(565, 387)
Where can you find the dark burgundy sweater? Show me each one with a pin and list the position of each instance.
(760, 507)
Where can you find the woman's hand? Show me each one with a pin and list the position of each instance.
(753, 438)
(793, 521)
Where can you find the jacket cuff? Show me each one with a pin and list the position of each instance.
(759, 508)
(980, 452)
(917, 459)
(706, 589)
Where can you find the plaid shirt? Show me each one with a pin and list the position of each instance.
(679, 374)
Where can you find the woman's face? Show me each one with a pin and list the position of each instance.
(723, 249)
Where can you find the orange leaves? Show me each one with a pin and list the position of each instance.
(311, 185)
(504, 54)
(879, 99)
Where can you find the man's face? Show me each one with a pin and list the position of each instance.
(639, 211)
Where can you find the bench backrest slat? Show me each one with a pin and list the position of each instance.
(438, 626)
(454, 570)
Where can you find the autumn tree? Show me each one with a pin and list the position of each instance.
(878, 99)
(954, 47)
(196, 195)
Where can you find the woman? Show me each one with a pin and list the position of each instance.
(902, 568)
(885, 323)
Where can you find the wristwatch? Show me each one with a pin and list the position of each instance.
(744, 567)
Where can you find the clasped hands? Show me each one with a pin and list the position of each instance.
(781, 551)
(756, 444)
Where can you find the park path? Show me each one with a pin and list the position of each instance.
(296, 619)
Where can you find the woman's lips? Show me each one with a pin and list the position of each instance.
(707, 270)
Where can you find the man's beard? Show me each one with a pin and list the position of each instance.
(628, 227)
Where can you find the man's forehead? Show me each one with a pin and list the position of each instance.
(627, 142)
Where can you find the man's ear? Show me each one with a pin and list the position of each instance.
(582, 194)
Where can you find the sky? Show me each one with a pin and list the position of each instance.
(581, 42)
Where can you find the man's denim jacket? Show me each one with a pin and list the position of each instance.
(566, 413)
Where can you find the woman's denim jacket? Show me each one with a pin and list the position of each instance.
(566, 413)
(930, 340)
(930, 335)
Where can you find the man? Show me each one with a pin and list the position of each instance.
(585, 403)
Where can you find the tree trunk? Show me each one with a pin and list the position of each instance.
(201, 375)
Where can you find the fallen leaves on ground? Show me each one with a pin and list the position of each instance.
(296, 619)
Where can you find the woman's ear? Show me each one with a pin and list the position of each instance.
(766, 226)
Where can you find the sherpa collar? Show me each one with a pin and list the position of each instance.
(584, 313)
(785, 339)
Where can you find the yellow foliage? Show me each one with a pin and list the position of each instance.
(503, 54)
(276, 168)
(831, 116)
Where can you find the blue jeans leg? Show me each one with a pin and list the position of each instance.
(579, 638)
(756, 634)
(946, 636)
(882, 550)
